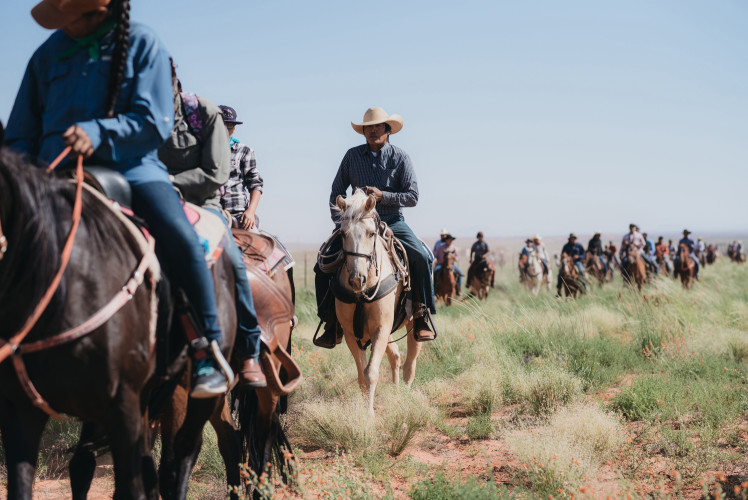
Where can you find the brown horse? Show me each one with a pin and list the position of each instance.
(570, 279)
(445, 280)
(635, 270)
(711, 254)
(595, 268)
(686, 267)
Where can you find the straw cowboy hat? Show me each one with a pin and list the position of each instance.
(443, 232)
(54, 14)
(375, 116)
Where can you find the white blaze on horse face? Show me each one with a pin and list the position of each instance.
(360, 238)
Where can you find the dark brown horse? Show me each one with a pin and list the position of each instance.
(570, 278)
(480, 277)
(686, 268)
(445, 280)
(106, 377)
(711, 254)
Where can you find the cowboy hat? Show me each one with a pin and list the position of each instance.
(54, 14)
(449, 237)
(572, 235)
(537, 237)
(443, 232)
(596, 233)
(686, 231)
(375, 116)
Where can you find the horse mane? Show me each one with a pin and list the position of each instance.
(36, 213)
(354, 210)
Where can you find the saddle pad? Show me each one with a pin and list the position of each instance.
(210, 229)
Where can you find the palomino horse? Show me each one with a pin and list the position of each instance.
(635, 271)
(686, 267)
(570, 280)
(445, 280)
(370, 271)
(533, 274)
(481, 275)
(595, 268)
(99, 369)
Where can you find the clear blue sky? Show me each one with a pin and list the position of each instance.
(520, 117)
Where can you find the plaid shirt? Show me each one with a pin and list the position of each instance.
(391, 171)
(243, 179)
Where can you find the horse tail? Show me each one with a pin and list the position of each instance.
(263, 439)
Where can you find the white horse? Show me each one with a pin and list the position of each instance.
(368, 263)
(534, 277)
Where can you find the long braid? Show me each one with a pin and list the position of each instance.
(121, 14)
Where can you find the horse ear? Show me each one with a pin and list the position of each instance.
(340, 202)
(371, 202)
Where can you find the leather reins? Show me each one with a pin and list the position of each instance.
(13, 347)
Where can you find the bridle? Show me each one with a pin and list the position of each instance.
(371, 257)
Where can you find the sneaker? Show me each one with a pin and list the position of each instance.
(207, 379)
(421, 330)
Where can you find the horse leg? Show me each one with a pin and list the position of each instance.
(172, 420)
(21, 434)
(126, 439)
(414, 348)
(393, 356)
(228, 445)
(359, 356)
(188, 441)
(371, 372)
(83, 464)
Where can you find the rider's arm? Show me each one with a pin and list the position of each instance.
(215, 165)
(340, 184)
(147, 120)
(407, 196)
(251, 178)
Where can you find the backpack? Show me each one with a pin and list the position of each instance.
(192, 114)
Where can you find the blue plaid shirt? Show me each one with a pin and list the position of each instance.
(391, 171)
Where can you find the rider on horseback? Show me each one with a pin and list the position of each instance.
(633, 237)
(478, 252)
(595, 247)
(576, 252)
(198, 160)
(661, 252)
(649, 253)
(84, 88)
(385, 172)
(540, 249)
(689, 244)
(439, 254)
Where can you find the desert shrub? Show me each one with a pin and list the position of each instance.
(480, 389)
(480, 426)
(545, 389)
(442, 487)
(403, 413)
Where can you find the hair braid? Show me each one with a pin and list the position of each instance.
(121, 14)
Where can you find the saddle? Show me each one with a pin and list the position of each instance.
(331, 262)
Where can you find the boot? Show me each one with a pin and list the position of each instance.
(251, 376)
(421, 330)
(331, 336)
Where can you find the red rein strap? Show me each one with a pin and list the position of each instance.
(10, 346)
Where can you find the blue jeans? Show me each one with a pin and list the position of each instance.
(179, 249)
(248, 336)
(459, 273)
(651, 262)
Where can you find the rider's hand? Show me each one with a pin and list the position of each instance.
(374, 191)
(78, 140)
(247, 219)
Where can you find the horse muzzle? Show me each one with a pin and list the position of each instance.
(357, 283)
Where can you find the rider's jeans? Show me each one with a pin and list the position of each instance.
(179, 249)
(248, 336)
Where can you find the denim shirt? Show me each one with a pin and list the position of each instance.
(56, 94)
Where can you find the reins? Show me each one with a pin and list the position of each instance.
(15, 349)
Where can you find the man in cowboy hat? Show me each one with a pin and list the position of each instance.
(576, 251)
(439, 254)
(690, 244)
(442, 236)
(244, 178)
(385, 172)
(633, 237)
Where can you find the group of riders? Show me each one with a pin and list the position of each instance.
(479, 254)
(658, 256)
